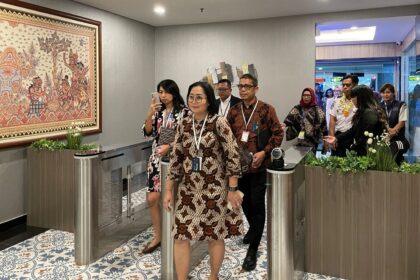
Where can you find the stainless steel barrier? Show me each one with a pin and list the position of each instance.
(286, 218)
(167, 249)
(102, 223)
(85, 215)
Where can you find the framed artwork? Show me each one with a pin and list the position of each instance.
(50, 73)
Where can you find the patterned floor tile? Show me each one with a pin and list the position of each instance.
(50, 255)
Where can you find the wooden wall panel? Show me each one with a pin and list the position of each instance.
(363, 226)
(358, 51)
(50, 189)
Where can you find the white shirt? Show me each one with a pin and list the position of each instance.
(343, 122)
(224, 107)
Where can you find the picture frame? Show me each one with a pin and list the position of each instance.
(50, 73)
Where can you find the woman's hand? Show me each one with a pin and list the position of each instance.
(167, 200)
(235, 199)
(392, 131)
(153, 108)
(163, 150)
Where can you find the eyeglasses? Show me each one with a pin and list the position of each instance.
(245, 86)
(346, 85)
(196, 98)
(223, 89)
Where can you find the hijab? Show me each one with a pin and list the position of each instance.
(313, 99)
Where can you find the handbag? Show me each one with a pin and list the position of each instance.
(245, 158)
(166, 136)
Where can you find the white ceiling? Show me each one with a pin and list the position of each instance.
(188, 11)
(388, 30)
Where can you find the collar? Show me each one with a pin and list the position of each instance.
(250, 105)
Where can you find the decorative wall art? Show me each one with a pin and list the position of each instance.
(49, 73)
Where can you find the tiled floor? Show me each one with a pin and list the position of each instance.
(50, 255)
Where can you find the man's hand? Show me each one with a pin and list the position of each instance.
(258, 159)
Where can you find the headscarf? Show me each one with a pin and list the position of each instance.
(313, 99)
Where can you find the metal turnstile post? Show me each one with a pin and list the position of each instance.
(280, 224)
(167, 243)
(86, 218)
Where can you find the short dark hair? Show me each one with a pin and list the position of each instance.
(250, 77)
(229, 83)
(387, 86)
(172, 88)
(354, 79)
(213, 108)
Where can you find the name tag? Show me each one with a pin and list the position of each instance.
(301, 135)
(245, 136)
(196, 164)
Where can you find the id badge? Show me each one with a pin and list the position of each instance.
(196, 164)
(245, 135)
(301, 135)
(255, 127)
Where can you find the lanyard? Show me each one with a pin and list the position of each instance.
(388, 113)
(250, 117)
(227, 102)
(197, 141)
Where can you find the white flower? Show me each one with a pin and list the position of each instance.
(366, 133)
(370, 149)
(373, 151)
(371, 135)
(370, 141)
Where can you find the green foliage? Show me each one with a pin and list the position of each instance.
(351, 163)
(51, 145)
(55, 145)
(74, 141)
(413, 168)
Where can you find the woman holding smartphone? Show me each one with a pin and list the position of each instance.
(165, 111)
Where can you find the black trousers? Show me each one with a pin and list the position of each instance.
(342, 146)
(253, 185)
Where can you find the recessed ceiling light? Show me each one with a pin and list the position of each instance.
(160, 10)
(346, 35)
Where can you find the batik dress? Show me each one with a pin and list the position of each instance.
(201, 211)
(169, 120)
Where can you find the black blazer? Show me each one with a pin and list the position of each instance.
(233, 100)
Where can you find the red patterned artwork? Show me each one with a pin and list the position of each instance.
(49, 73)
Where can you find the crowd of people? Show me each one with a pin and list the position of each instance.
(205, 141)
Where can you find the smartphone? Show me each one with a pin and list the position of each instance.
(155, 97)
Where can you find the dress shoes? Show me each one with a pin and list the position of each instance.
(149, 249)
(246, 239)
(250, 261)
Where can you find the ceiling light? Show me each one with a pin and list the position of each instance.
(159, 10)
(346, 35)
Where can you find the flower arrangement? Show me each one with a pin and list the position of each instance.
(378, 150)
(73, 137)
(379, 157)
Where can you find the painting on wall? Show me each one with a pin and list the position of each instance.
(49, 73)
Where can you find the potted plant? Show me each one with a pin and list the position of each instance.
(50, 185)
(362, 216)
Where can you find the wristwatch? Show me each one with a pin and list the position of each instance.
(233, 189)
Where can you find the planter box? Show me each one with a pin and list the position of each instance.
(363, 226)
(50, 189)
